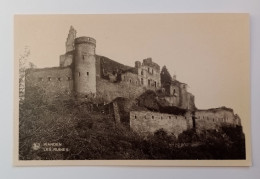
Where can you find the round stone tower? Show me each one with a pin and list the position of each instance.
(85, 66)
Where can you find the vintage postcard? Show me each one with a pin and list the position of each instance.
(132, 90)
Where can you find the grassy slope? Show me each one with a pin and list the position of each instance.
(94, 135)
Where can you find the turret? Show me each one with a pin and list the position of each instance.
(70, 39)
(85, 66)
(137, 64)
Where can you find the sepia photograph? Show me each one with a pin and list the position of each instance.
(132, 89)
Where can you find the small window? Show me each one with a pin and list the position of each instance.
(161, 117)
(135, 117)
(152, 71)
(152, 117)
(40, 79)
(78, 73)
(169, 117)
(59, 79)
(87, 73)
(142, 81)
(69, 78)
(130, 81)
(83, 57)
(49, 78)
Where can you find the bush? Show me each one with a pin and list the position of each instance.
(94, 135)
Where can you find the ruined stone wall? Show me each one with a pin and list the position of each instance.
(66, 60)
(147, 122)
(215, 118)
(53, 81)
(173, 95)
(177, 95)
(131, 79)
(191, 104)
(149, 73)
(109, 90)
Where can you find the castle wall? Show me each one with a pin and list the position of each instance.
(149, 73)
(109, 91)
(177, 95)
(215, 118)
(53, 81)
(130, 78)
(147, 122)
(121, 109)
(66, 60)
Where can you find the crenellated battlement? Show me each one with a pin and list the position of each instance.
(84, 39)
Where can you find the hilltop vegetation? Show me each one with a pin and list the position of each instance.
(90, 133)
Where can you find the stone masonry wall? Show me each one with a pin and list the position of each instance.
(110, 91)
(213, 119)
(147, 122)
(53, 81)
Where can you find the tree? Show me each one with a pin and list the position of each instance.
(165, 76)
(24, 64)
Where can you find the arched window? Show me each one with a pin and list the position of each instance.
(87, 73)
(142, 72)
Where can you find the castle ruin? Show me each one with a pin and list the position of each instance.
(84, 74)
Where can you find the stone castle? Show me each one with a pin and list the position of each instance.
(86, 75)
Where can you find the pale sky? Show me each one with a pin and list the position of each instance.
(208, 52)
